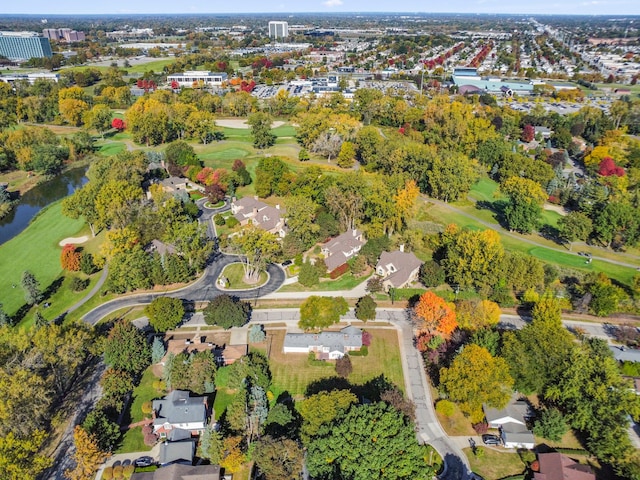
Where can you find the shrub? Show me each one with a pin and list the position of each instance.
(79, 284)
(481, 428)
(128, 470)
(159, 385)
(117, 471)
(107, 473)
(366, 338)
(219, 220)
(341, 270)
(256, 334)
(87, 265)
(231, 222)
(478, 452)
(150, 439)
(147, 429)
(445, 407)
(147, 408)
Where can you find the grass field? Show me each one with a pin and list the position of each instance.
(484, 190)
(345, 282)
(111, 148)
(569, 259)
(35, 249)
(292, 372)
(494, 465)
(156, 66)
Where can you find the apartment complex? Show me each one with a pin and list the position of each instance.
(278, 29)
(24, 45)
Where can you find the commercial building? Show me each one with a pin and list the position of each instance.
(63, 34)
(30, 77)
(198, 78)
(278, 29)
(18, 46)
(469, 81)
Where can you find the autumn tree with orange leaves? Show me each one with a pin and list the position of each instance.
(435, 315)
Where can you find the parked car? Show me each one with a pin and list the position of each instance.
(489, 439)
(286, 263)
(144, 462)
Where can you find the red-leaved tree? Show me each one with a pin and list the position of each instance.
(70, 258)
(118, 124)
(528, 133)
(608, 168)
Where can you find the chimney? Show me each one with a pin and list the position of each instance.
(278, 206)
(401, 247)
(355, 232)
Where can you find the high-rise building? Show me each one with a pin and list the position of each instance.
(63, 34)
(278, 29)
(24, 45)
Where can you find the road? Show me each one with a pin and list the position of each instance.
(203, 289)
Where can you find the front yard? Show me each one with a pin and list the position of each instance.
(292, 372)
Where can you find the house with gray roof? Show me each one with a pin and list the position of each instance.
(326, 345)
(250, 210)
(178, 410)
(511, 421)
(625, 354)
(177, 471)
(398, 268)
(339, 250)
(181, 452)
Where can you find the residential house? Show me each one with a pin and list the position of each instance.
(177, 471)
(177, 452)
(250, 210)
(178, 410)
(555, 466)
(625, 354)
(512, 423)
(398, 268)
(326, 345)
(339, 250)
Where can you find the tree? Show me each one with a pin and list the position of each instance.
(165, 313)
(232, 456)
(226, 312)
(574, 226)
(259, 247)
(476, 378)
(473, 315)
(116, 384)
(5, 318)
(99, 117)
(366, 308)
(126, 348)
(158, 350)
(278, 459)
(181, 153)
(308, 275)
(32, 293)
(88, 456)
(118, 124)
(322, 409)
(551, 425)
(20, 458)
(260, 124)
(347, 155)
(528, 133)
(211, 445)
(435, 315)
(431, 274)
(301, 215)
(524, 206)
(82, 204)
(105, 432)
(320, 312)
(451, 176)
(343, 366)
(257, 334)
(369, 441)
(70, 258)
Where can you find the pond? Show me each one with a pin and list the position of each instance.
(37, 198)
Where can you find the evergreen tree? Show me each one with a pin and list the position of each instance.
(31, 286)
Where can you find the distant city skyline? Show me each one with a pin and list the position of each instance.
(558, 7)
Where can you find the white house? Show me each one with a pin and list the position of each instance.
(326, 345)
(511, 421)
(179, 411)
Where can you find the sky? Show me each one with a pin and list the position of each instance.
(582, 7)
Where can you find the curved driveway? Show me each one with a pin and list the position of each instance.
(202, 290)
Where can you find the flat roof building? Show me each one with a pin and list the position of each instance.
(24, 45)
(278, 29)
(198, 78)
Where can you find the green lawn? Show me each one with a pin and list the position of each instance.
(550, 217)
(35, 249)
(235, 275)
(292, 372)
(484, 190)
(111, 148)
(346, 282)
(156, 66)
(133, 441)
(494, 465)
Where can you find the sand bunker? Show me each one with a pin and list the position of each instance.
(239, 123)
(73, 240)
